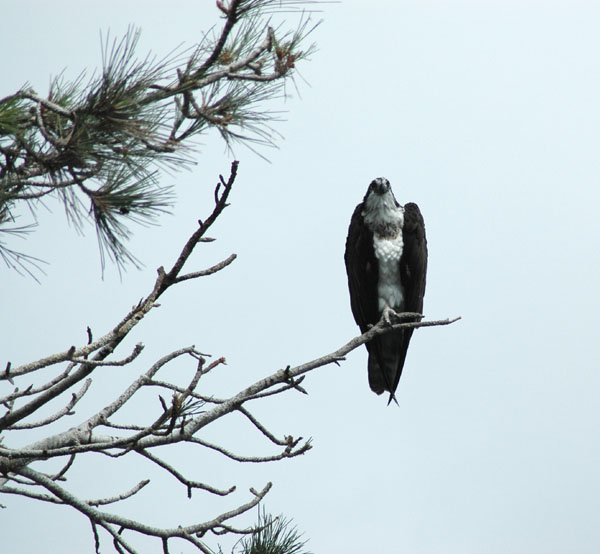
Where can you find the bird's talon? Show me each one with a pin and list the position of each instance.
(387, 315)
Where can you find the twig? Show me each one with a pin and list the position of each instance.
(75, 397)
(122, 496)
(258, 496)
(220, 205)
(288, 452)
(261, 427)
(187, 482)
(136, 352)
(209, 271)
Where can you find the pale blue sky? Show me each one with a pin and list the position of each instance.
(484, 113)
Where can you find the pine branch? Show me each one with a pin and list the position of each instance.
(273, 535)
(97, 147)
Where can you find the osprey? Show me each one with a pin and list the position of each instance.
(386, 262)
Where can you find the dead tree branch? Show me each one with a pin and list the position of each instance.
(173, 421)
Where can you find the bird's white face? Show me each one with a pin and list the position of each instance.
(381, 208)
(379, 186)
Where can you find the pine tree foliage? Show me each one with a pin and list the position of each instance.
(273, 535)
(98, 145)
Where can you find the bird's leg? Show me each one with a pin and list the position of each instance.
(388, 314)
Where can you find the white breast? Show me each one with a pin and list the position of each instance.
(388, 252)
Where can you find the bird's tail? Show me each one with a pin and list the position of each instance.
(386, 360)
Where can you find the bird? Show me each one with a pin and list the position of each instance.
(386, 264)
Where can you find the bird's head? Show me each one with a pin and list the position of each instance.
(379, 186)
(379, 203)
(380, 192)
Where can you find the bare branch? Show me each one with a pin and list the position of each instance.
(262, 428)
(30, 494)
(220, 205)
(209, 271)
(188, 483)
(64, 470)
(76, 397)
(88, 442)
(289, 452)
(109, 521)
(136, 352)
(31, 390)
(123, 496)
(218, 521)
(104, 345)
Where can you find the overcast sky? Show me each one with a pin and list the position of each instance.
(487, 115)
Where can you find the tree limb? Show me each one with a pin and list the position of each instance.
(169, 423)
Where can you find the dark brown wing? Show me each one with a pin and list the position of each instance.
(413, 265)
(413, 269)
(363, 274)
(361, 268)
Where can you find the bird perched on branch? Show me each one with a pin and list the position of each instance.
(386, 263)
